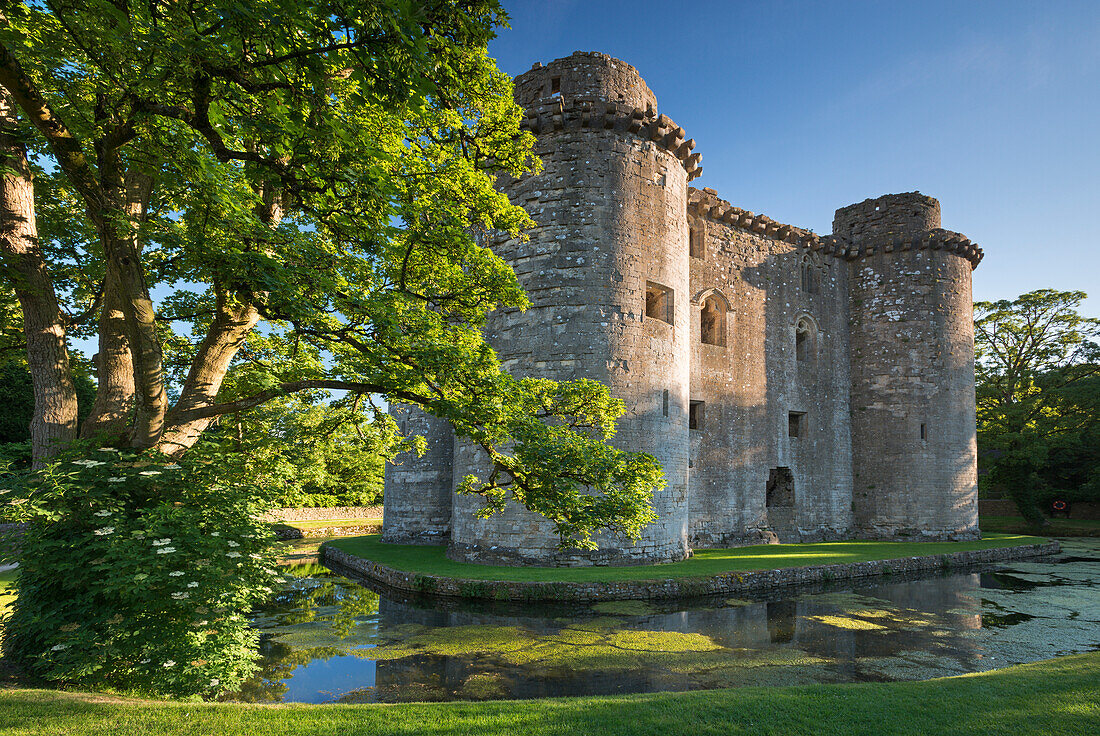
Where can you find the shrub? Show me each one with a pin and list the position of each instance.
(136, 572)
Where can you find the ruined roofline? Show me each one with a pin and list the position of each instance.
(706, 203)
(552, 114)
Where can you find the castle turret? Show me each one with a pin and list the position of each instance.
(606, 270)
(912, 369)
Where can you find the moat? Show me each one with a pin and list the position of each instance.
(327, 638)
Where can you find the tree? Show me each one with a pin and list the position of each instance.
(1038, 390)
(323, 168)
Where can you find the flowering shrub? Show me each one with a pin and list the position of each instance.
(137, 574)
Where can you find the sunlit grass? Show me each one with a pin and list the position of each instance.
(1052, 698)
(433, 560)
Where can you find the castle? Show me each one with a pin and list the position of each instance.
(793, 387)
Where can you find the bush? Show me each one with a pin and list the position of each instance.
(136, 572)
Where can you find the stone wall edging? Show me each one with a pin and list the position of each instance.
(725, 583)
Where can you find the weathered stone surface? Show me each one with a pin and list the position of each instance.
(831, 376)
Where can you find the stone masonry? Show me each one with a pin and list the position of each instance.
(794, 387)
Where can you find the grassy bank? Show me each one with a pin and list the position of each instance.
(433, 560)
(1057, 527)
(1059, 696)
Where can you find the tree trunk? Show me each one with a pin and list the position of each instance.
(54, 420)
(114, 400)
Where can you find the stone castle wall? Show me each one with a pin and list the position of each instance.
(752, 384)
(794, 387)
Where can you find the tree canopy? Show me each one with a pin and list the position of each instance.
(213, 176)
(1038, 397)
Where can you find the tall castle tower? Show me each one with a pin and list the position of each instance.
(606, 270)
(912, 365)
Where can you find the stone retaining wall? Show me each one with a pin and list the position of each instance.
(351, 530)
(726, 583)
(319, 514)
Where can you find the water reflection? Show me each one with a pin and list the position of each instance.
(327, 638)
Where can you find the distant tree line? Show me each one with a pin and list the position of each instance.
(1038, 401)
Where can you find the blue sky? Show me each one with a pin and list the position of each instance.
(802, 107)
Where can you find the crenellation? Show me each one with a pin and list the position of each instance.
(794, 386)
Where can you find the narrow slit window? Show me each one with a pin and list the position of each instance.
(697, 246)
(712, 322)
(664, 403)
(696, 414)
(923, 432)
(805, 339)
(658, 302)
(809, 279)
(796, 424)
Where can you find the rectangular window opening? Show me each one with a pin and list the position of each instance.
(658, 302)
(664, 403)
(780, 489)
(796, 424)
(696, 414)
(555, 85)
(923, 431)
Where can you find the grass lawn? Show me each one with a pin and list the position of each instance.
(1058, 526)
(433, 560)
(1050, 698)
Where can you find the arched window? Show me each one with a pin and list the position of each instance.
(712, 321)
(805, 340)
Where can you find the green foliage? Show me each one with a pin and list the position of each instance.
(1038, 399)
(381, 127)
(134, 572)
(319, 454)
(17, 398)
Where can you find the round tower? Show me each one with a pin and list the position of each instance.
(914, 450)
(606, 270)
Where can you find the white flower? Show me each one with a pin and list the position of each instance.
(171, 466)
(269, 571)
(231, 543)
(181, 596)
(88, 463)
(215, 682)
(116, 480)
(161, 542)
(149, 472)
(108, 449)
(175, 573)
(58, 647)
(215, 534)
(165, 550)
(104, 531)
(104, 513)
(170, 663)
(192, 584)
(256, 556)
(232, 554)
(145, 661)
